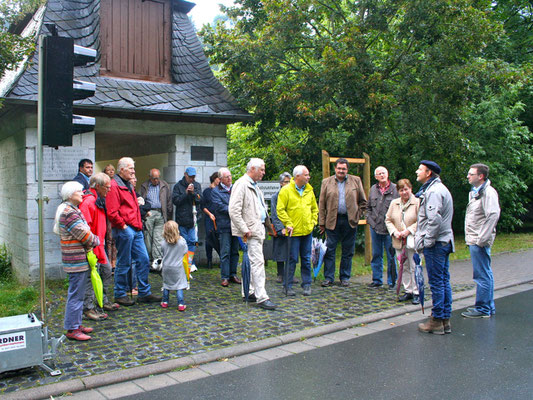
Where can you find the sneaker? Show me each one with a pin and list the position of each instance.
(289, 292)
(326, 283)
(307, 290)
(416, 299)
(124, 301)
(182, 307)
(267, 305)
(85, 329)
(474, 314)
(149, 299)
(345, 283)
(77, 334)
(405, 297)
(164, 304)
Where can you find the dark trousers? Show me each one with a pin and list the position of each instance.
(229, 255)
(344, 234)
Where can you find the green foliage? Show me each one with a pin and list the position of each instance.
(400, 80)
(16, 299)
(5, 263)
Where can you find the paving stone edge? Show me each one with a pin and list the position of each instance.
(95, 381)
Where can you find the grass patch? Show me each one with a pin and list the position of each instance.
(16, 299)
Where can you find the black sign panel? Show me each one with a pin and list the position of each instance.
(202, 153)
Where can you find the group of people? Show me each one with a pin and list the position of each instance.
(401, 224)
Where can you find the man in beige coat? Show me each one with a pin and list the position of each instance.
(248, 214)
(342, 201)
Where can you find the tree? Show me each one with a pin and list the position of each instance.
(402, 80)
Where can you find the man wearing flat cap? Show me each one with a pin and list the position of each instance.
(434, 238)
(187, 196)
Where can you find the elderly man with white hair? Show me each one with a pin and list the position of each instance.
(248, 213)
(125, 217)
(298, 212)
(379, 199)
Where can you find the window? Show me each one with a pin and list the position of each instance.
(135, 39)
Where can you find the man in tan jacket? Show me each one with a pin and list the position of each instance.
(248, 214)
(342, 201)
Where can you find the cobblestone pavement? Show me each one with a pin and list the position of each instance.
(215, 318)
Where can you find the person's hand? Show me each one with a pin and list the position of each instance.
(248, 234)
(190, 188)
(405, 233)
(398, 235)
(322, 229)
(289, 230)
(148, 214)
(284, 231)
(212, 217)
(124, 227)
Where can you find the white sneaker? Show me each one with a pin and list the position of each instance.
(157, 265)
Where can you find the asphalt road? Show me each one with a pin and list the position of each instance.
(481, 359)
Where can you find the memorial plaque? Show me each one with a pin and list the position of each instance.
(269, 188)
(202, 153)
(61, 164)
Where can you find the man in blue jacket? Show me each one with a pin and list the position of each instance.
(229, 244)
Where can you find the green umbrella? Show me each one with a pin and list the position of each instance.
(98, 287)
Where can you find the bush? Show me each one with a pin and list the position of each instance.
(5, 263)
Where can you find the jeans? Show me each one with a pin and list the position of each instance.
(229, 254)
(344, 233)
(380, 242)
(179, 296)
(191, 237)
(481, 262)
(77, 282)
(299, 245)
(131, 248)
(438, 264)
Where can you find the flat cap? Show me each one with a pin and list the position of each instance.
(432, 165)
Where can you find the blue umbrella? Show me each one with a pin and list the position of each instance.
(317, 257)
(245, 269)
(419, 277)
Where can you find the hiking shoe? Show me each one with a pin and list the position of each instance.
(124, 301)
(405, 297)
(149, 299)
(111, 306)
(345, 283)
(267, 305)
(182, 307)
(85, 329)
(326, 283)
(432, 325)
(279, 279)
(307, 290)
(290, 292)
(164, 304)
(77, 334)
(94, 315)
(416, 299)
(474, 314)
(447, 326)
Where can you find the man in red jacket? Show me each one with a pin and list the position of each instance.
(93, 209)
(125, 217)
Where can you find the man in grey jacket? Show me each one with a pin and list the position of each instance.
(482, 214)
(434, 237)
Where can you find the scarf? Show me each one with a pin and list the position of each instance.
(425, 186)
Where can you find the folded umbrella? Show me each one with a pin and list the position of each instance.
(212, 238)
(419, 277)
(245, 269)
(318, 252)
(96, 280)
(401, 260)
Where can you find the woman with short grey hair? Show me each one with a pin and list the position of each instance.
(280, 245)
(76, 240)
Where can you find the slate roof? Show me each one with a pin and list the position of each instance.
(195, 91)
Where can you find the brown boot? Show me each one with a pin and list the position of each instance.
(432, 325)
(447, 326)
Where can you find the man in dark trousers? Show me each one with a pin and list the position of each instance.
(187, 197)
(342, 201)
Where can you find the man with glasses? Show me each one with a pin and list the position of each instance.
(379, 199)
(482, 214)
(125, 217)
(342, 201)
(157, 193)
(93, 209)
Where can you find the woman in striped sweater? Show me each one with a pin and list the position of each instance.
(76, 240)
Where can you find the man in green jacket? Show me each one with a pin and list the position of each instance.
(297, 210)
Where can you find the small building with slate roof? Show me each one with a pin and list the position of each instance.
(156, 101)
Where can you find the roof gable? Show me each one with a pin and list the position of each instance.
(195, 90)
